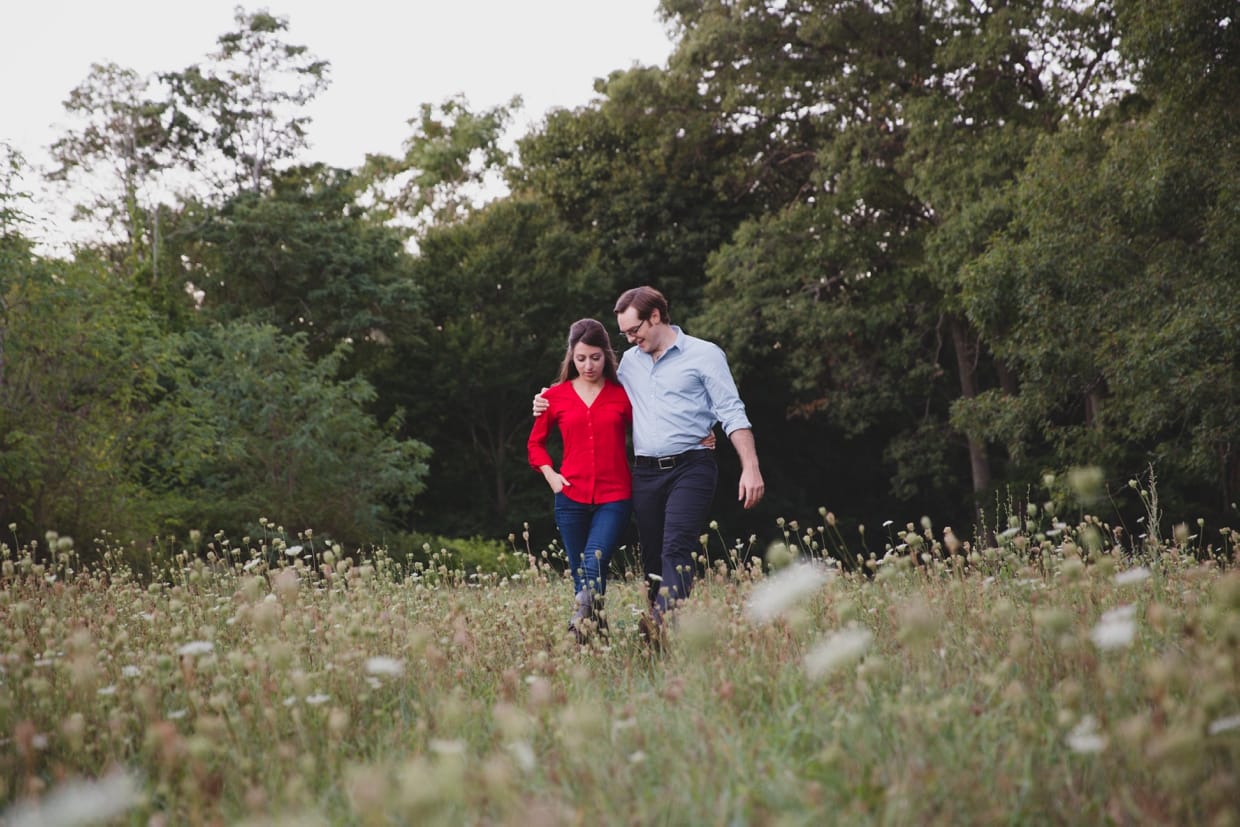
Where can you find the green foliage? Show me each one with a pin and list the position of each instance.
(120, 148)
(435, 553)
(304, 257)
(941, 242)
(501, 288)
(78, 373)
(1113, 292)
(247, 103)
(450, 156)
(645, 178)
(1043, 679)
(250, 425)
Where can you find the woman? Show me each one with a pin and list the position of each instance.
(593, 487)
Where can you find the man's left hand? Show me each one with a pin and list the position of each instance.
(751, 487)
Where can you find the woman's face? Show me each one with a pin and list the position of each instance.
(589, 361)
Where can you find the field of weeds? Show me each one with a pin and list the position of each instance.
(1049, 678)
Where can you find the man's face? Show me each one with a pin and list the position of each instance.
(637, 330)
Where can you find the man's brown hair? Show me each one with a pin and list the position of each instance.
(644, 300)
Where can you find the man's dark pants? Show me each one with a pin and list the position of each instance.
(671, 503)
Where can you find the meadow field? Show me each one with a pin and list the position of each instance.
(1058, 674)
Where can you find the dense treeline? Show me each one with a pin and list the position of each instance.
(953, 250)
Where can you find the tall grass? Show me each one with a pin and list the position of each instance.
(1055, 677)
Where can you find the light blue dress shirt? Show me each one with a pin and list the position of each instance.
(679, 398)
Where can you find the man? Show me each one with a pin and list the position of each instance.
(680, 386)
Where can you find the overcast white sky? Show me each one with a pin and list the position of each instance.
(387, 57)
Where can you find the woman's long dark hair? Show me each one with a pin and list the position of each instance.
(592, 333)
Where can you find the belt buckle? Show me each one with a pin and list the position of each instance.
(667, 463)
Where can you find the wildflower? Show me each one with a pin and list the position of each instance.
(196, 647)
(1084, 737)
(1134, 575)
(840, 649)
(779, 555)
(524, 755)
(782, 591)
(1116, 629)
(1087, 482)
(385, 666)
(444, 746)
(79, 802)
(318, 699)
(292, 551)
(1224, 724)
(130, 671)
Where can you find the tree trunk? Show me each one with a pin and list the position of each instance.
(966, 366)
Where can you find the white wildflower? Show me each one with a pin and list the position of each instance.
(524, 755)
(318, 699)
(1224, 724)
(78, 802)
(444, 746)
(292, 551)
(1084, 737)
(196, 647)
(390, 667)
(107, 690)
(840, 649)
(1116, 629)
(1131, 576)
(779, 593)
(130, 671)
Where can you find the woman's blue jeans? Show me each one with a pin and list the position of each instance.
(590, 534)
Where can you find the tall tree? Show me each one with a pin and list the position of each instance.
(646, 176)
(117, 155)
(250, 425)
(500, 290)
(1113, 290)
(304, 257)
(916, 115)
(247, 102)
(81, 366)
(15, 248)
(451, 161)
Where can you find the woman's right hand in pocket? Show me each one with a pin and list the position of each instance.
(556, 481)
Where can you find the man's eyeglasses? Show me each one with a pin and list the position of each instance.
(635, 329)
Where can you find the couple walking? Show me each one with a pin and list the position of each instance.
(671, 389)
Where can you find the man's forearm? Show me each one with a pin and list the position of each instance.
(742, 441)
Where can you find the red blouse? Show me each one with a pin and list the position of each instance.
(594, 454)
